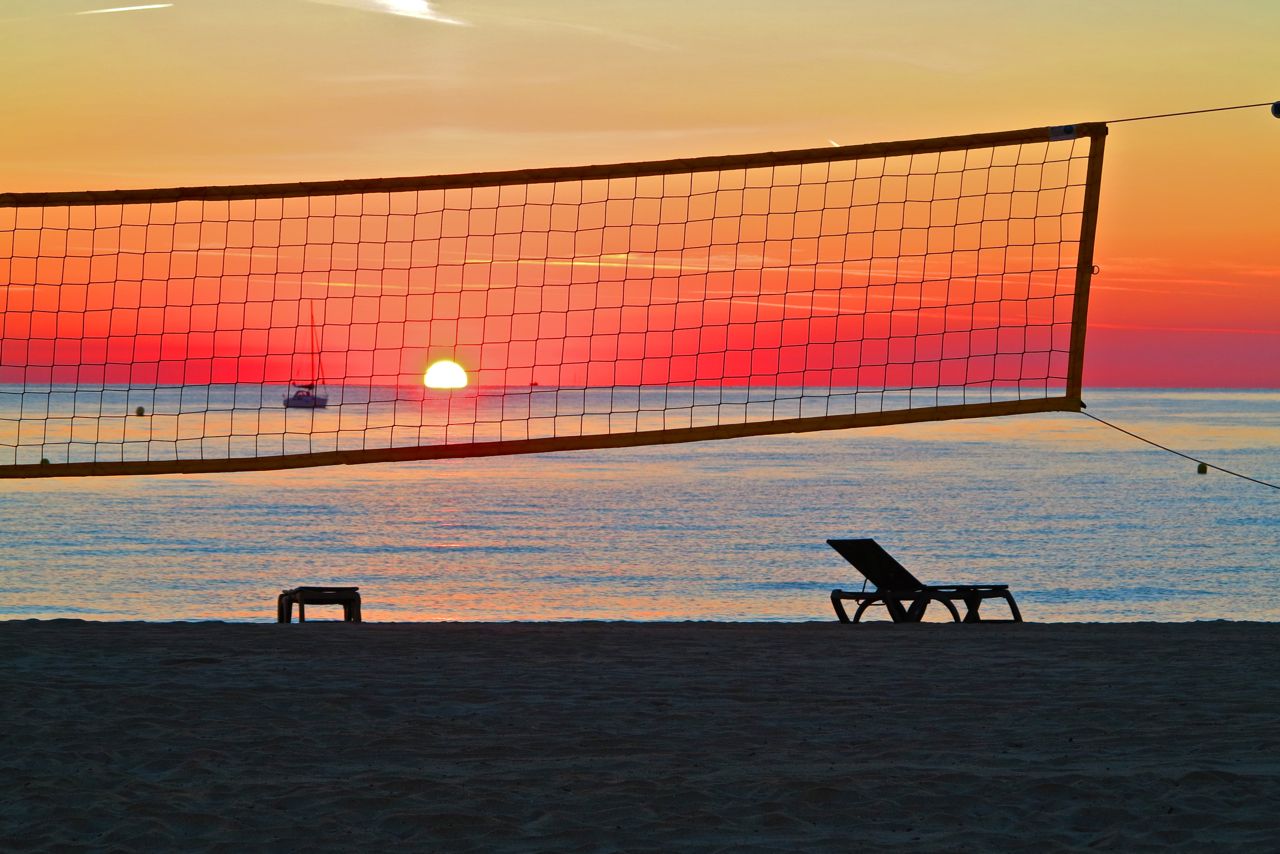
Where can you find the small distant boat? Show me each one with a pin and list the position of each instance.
(305, 397)
(310, 395)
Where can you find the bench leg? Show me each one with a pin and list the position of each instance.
(302, 610)
(355, 609)
(1013, 608)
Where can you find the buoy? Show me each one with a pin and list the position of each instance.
(1275, 109)
(1202, 469)
(140, 411)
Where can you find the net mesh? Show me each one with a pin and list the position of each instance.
(286, 325)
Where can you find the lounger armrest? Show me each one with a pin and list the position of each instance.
(952, 588)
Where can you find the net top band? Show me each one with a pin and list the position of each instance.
(637, 169)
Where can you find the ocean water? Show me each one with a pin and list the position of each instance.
(66, 423)
(1082, 522)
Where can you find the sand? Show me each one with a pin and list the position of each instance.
(639, 737)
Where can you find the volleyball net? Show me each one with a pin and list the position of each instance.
(277, 326)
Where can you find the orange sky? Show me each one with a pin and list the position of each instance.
(235, 91)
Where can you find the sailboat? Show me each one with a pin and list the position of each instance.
(310, 395)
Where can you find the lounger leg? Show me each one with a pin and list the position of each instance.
(955, 615)
(918, 606)
(971, 605)
(896, 611)
(862, 606)
(839, 606)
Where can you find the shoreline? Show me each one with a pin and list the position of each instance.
(591, 736)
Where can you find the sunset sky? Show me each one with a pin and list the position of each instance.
(113, 94)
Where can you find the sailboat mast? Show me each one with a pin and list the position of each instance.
(316, 367)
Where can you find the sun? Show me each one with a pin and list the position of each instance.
(445, 374)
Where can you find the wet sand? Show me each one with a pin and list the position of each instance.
(639, 737)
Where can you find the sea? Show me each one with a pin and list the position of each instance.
(1082, 522)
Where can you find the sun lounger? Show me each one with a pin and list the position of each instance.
(904, 596)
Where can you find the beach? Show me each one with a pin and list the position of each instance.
(640, 736)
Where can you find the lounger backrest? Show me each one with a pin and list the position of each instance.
(876, 564)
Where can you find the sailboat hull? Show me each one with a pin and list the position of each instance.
(308, 402)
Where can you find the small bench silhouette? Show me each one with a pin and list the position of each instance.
(347, 597)
(905, 596)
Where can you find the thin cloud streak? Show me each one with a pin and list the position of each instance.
(1214, 330)
(630, 39)
(126, 9)
(419, 10)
